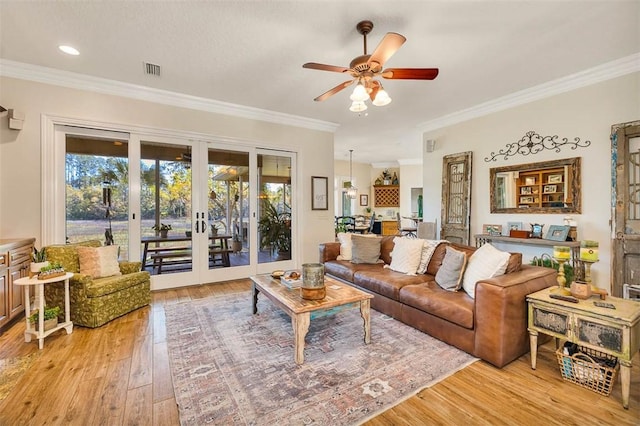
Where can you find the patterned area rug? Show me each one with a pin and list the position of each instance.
(11, 370)
(231, 367)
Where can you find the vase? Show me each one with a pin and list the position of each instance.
(313, 281)
(164, 234)
(35, 267)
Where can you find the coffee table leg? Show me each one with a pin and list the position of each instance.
(365, 313)
(254, 292)
(300, 323)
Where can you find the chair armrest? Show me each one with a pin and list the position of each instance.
(127, 267)
(329, 251)
(501, 313)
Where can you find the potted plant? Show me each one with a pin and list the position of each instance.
(275, 230)
(39, 261)
(163, 228)
(50, 317)
(236, 243)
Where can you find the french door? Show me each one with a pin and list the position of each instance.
(230, 208)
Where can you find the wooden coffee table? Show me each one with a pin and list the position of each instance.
(299, 309)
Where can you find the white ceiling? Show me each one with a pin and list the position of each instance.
(250, 52)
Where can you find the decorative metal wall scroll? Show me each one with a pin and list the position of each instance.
(533, 143)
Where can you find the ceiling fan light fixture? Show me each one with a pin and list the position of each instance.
(382, 98)
(358, 106)
(359, 93)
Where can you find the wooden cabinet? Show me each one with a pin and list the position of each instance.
(615, 332)
(15, 257)
(389, 227)
(543, 188)
(386, 195)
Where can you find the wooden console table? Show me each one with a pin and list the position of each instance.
(482, 239)
(615, 332)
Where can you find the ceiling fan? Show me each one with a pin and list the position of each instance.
(365, 68)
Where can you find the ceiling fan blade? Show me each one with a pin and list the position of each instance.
(387, 47)
(333, 91)
(410, 73)
(324, 67)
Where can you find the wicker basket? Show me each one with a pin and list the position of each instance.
(590, 369)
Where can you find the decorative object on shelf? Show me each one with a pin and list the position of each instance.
(519, 233)
(561, 254)
(589, 256)
(557, 233)
(163, 229)
(39, 261)
(514, 226)
(52, 270)
(580, 289)
(50, 317)
(319, 189)
(492, 229)
(547, 261)
(573, 228)
(532, 143)
(394, 180)
(536, 230)
(386, 177)
(313, 281)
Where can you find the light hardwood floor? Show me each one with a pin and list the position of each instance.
(118, 374)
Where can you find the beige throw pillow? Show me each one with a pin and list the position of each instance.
(486, 262)
(99, 262)
(345, 246)
(450, 274)
(406, 254)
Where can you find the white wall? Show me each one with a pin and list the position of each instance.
(20, 164)
(587, 113)
(410, 177)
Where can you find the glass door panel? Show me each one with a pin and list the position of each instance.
(228, 207)
(166, 207)
(97, 190)
(274, 207)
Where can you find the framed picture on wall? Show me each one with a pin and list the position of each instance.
(364, 200)
(319, 190)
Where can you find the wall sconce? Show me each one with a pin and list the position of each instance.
(430, 145)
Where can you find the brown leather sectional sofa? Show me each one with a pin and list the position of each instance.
(493, 326)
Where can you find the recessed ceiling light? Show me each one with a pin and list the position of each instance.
(69, 50)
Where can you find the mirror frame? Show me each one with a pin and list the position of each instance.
(573, 178)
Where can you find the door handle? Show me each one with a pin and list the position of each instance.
(204, 226)
(197, 229)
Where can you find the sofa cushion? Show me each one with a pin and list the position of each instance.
(450, 274)
(99, 262)
(486, 262)
(365, 249)
(453, 306)
(405, 257)
(344, 269)
(67, 254)
(386, 282)
(103, 286)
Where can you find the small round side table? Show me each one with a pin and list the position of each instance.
(40, 334)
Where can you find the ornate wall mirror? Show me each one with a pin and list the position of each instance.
(545, 187)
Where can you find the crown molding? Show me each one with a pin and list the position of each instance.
(386, 165)
(410, 162)
(73, 80)
(627, 65)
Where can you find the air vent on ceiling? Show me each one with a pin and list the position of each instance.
(151, 69)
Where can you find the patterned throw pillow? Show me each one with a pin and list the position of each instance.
(99, 262)
(365, 249)
(406, 254)
(429, 246)
(486, 262)
(450, 274)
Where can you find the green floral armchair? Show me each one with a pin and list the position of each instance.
(96, 301)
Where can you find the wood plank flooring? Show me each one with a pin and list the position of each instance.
(119, 374)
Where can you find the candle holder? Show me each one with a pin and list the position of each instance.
(587, 270)
(562, 281)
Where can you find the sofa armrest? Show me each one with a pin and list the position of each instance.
(501, 313)
(329, 251)
(127, 267)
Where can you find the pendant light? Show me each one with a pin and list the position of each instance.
(352, 191)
